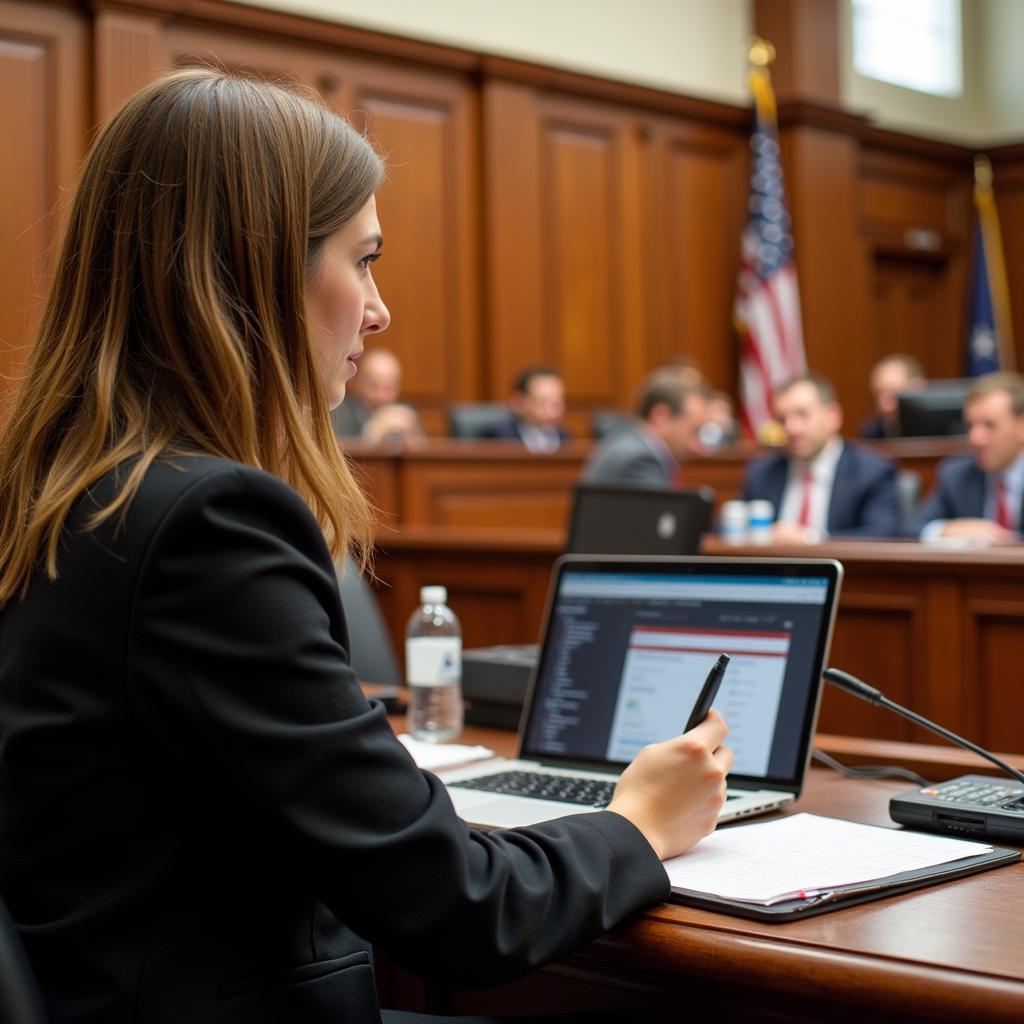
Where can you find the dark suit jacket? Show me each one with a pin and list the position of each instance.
(863, 493)
(202, 819)
(959, 493)
(512, 430)
(351, 416)
(628, 456)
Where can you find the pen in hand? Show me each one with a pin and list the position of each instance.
(708, 692)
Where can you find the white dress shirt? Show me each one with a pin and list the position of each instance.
(539, 439)
(823, 474)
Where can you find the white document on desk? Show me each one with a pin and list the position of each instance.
(804, 855)
(442, 755)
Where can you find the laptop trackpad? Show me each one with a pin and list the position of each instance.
(511, 811)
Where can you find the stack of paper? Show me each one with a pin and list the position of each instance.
(803, 856)
(442, 755)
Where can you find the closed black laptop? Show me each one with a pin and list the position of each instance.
(610, 520)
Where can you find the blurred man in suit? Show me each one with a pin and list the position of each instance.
(371, 411)
(650, 450)
(977, 497)
(820, 486)
(536, 408)
(890, 377)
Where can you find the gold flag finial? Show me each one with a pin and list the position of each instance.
(982, 171)
(761, 52)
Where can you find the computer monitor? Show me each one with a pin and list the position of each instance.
(610, 520)
(937, 411)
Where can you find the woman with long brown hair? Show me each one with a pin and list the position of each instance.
(201, 816)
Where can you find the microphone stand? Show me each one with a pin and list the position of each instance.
(851, 684)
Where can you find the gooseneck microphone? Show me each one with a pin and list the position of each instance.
(978, 806)
(851, 684)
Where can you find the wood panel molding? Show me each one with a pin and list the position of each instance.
(127, 52)
(45, 97)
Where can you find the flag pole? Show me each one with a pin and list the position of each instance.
(991, 240)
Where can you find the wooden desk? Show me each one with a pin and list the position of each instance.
(444, 482)
(951, 953)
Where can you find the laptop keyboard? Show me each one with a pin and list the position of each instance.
(563, 788)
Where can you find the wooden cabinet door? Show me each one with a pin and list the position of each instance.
(44, 98)
(698, 216)
(566, 241)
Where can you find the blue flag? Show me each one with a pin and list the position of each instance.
(989, 326)
(982, 347)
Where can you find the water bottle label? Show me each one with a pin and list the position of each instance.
(433, 660)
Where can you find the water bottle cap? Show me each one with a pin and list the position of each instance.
(433, 595)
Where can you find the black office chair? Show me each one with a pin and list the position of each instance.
(607, 421)
(372, 654)
(20, 1001)
(473, 420)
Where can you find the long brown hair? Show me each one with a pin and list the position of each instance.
(175, 320)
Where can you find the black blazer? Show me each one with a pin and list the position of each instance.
(863, 502)
(202, 818)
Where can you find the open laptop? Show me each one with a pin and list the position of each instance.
(608, 520)
(626, 645)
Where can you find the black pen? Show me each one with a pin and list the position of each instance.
(708, 692)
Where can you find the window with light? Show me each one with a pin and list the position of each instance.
(916, 44)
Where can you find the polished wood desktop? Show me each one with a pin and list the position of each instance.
(947, 953)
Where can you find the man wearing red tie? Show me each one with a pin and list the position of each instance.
(822, 487)
(977, 497)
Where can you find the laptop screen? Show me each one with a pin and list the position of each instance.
(629, 643)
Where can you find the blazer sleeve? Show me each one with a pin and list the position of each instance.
(241, 678)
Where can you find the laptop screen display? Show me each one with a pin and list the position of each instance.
(626, 653)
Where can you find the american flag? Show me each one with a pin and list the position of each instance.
(767, 307)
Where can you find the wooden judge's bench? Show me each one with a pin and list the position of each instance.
(940, 631)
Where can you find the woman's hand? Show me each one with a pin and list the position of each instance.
(674, 790)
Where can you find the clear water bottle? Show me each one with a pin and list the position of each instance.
(433, 668)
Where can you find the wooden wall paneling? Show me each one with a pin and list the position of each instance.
(698, 218)
(502, 604)
(878, 639)
(1008, 182)
(128, 51)
(915, 217)
(378, 471)
(184, 42)
(993, 699)
(425, 122)
(821, 183)
(513, 233)
(533, 494)
(587, 199)
(45, 98)
(805, 34)
(566, 188)
(942, 699)
(908, 299)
